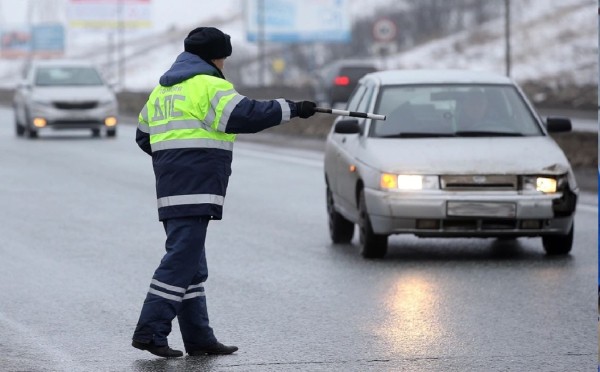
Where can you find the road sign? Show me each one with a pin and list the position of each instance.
(48, 40)
(293, 21)
(384, 30)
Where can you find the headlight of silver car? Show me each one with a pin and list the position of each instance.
(408, 182)
(544, 184)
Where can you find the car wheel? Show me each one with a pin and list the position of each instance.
(95, 132)
(558, 244)
(31, 133)
(111, 133)
(340, 229)
(372, 245)
(19, 129)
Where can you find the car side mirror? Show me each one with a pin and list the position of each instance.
(348, 126)
(555, 125)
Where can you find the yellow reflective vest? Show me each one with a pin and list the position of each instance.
(189, 125)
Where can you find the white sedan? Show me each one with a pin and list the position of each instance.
(64, 94)
(461, 154)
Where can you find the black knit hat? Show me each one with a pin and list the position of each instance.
(208, 43)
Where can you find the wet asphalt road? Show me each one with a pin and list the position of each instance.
(80, 241)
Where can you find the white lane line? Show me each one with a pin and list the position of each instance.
(316, 163)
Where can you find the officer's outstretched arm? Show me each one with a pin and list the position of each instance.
(250, 116)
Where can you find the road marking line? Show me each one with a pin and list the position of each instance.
(280, 156)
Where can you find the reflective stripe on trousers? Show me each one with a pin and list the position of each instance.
(175, 293)
(169, 201)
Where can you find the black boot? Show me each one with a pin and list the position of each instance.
(161, 351)
(214, 349)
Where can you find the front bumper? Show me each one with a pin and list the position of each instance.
(474, 214)
(93, 118)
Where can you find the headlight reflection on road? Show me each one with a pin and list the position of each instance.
(413, 322)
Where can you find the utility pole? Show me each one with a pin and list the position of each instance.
(507, 35)
(29, 22)
(121, 46)
(261, 42)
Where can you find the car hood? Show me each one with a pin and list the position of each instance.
(498, 155)
(78, 94)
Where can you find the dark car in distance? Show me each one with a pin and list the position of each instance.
(336, 82)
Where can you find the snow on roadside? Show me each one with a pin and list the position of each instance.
(553, 40)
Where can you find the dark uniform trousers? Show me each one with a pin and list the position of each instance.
(177, 288)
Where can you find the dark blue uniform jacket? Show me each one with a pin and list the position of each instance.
(203, 171)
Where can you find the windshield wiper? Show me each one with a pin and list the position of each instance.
(475, 133)
(417, 135)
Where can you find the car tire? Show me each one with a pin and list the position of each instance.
(372, 245)
(95, 132)
(32, 133)
(556, 245)
(111, 133)
(19, 129)
(341, 230)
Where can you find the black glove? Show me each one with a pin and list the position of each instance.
(305, 109)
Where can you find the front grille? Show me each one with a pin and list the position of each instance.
(76, 105)
(479, 182)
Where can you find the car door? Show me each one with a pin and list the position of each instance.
(350, 146)
(333, 152)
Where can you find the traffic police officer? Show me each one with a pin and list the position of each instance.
(188, 126)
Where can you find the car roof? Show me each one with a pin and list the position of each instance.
(424, 76)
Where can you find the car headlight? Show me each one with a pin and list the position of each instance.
(544, 184)
(408, 182)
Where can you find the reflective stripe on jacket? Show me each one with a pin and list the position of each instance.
(189, 129)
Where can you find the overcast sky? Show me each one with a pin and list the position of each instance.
(13, 13)
(164, 12)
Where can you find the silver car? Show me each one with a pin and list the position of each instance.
(461, 154)
(64, 95)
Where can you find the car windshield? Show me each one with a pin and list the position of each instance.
(67, 76)
(453, 111)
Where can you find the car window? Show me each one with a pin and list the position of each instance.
(453, 110)
(67, 76)
(355, 99)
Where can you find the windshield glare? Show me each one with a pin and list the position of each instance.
(67, 76)
(453, 110)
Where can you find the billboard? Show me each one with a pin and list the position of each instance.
(15, 43)
(292, 21)
(47, 40)
(109, 14)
